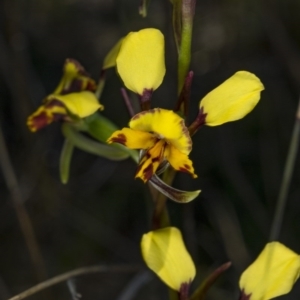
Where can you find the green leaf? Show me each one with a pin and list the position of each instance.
(86, 144)
(65, 160)
(101, 128)
(172, 193)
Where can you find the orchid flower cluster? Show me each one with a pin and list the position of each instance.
(159, 140)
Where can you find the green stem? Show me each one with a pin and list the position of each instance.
(160, 215)
(65, 160)
(182, 105)
(286, 180)
(184, 58)
(176, 19)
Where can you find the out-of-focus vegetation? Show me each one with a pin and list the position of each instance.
(101, 214)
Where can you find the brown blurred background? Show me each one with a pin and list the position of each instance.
(100, 215)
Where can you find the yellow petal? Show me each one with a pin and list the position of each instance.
(46, 114)
(140, 62)
(164, 253)
(74, 79)
(166, 124)
(110, 58)
(272, 274)
(151, 161)
(133, 139)
(179, 161)
(80, 104)
(233, 99)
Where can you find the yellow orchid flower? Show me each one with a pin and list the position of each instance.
(272, 274)
(165, 254)
(163, 135)
(73, 98)
(139, 58)
(231, 100)
(75, 79)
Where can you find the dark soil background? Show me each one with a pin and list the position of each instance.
(101, 214)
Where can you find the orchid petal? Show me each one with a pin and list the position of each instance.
(140, 61)
(179, 161)
(74, 79)
(272, 274)
(166, 124)
(46, 114)
(80, 104)
(233, 99)
(133, 139)
(150, 161)
(165, 254)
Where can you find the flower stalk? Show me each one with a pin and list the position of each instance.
(182, 105)
(160, 217)
(184, 57)
(286, 180)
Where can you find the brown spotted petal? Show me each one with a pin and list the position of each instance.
(50, 112)
(179, 161)
(133, 139)
(151, 161)
(74, 79)
(172, 193)
(166, 124)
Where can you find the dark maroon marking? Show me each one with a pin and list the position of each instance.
(243, 296)
(38, 122)
(187, 167)
(155, 159)
(148, 172)
(199, 121)
(78, 66)
(184, 291)
(142, 161)
(184, 170)
(147, 94)
(120, 138)
(52, 103)
(60, 117)
(202, 116)
(186, 133)
(91, 86)
(75, 86)
(185, 94)
(145, 156)
(137, 116)
(145, 99)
